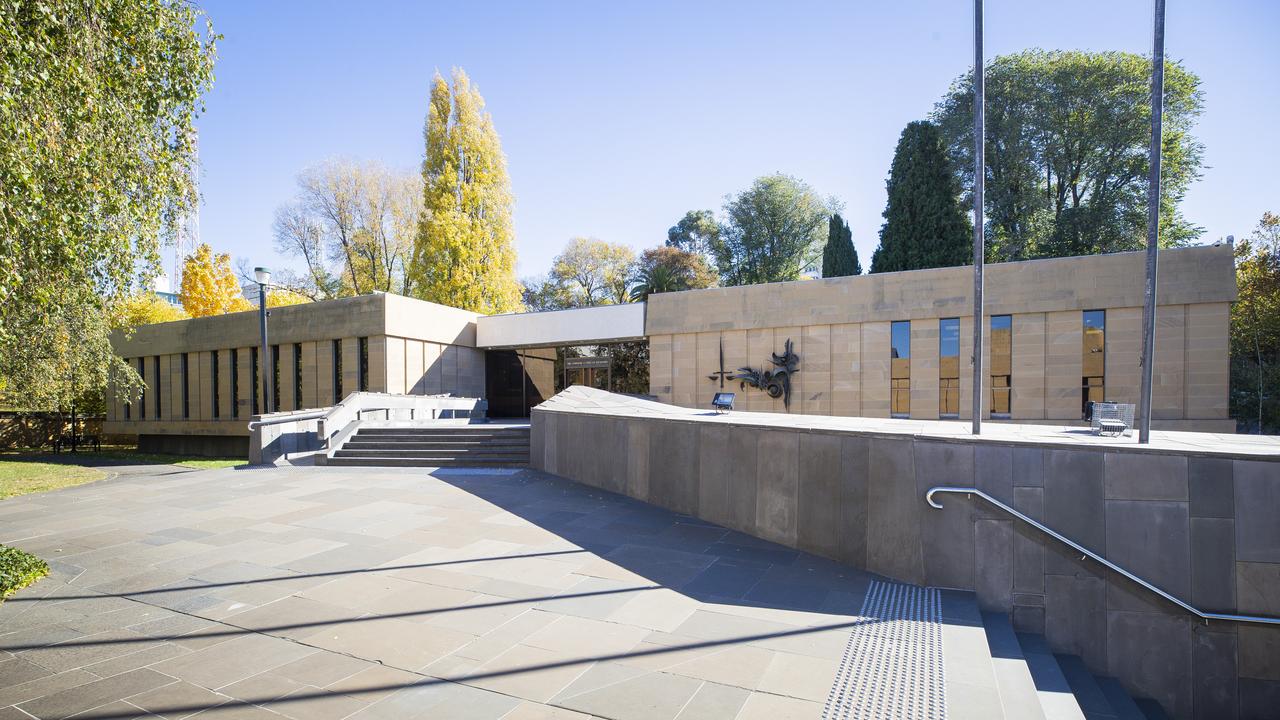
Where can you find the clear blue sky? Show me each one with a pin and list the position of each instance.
(618, 117)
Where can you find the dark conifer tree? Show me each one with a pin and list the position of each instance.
(839, 257)
(925, 226)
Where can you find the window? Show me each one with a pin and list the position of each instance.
(142, 401)
(949, 367)
(253, 373)
(364, 365)
(127, 409)
(297, 376)
(186, 386)
(235, 383)
(900, 369)
(275, 378)
(216, 395)
(155, 366)
(337, 371)
(1093, 386)
(1001, 365)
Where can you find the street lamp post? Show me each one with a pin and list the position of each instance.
(263, 276)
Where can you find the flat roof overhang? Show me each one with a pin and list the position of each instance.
(556, 328)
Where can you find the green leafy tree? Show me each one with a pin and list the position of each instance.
(1067, 135)
(593, 272)
(1255, 330)
(924, 225)
(697, 232)
(463, 255)
(669, 269)
(839, 257)
(773, 232)
(97, 107)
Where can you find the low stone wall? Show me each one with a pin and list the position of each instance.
(1202, 525)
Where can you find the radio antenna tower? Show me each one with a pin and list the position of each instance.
(188, 235)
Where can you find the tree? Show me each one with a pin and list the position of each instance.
(924, 225)
(1255, 329)
(97, 140)
(593, 272)
(839, 257)
(697, 232)
(145, 308)
(209, 286)
(463, 254)
(669, 269)
(773, 232)
(1066, 151)
(353, 225)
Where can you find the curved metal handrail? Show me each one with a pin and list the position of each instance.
(1089, 553)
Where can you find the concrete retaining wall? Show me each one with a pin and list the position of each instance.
(1204, 526)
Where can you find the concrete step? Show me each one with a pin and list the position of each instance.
(1018, 696)
(459, 430)
(1121, 702)
(434, 445)
(1093, 702)
(427, 462)
(481, 452)
(1057, 702)
(971, 684)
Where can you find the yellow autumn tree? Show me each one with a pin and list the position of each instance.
(145, 308)
(280, 297)
(209, 287)
(463, 254)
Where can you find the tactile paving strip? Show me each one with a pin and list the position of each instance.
(892, 666)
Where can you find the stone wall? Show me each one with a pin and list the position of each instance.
(1201, 525)
(840, 330)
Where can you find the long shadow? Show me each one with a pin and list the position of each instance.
(429, 681)
(168, 589)
(278, 629)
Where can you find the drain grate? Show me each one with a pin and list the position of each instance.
(892, 666)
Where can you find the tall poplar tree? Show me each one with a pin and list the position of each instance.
(839, 257)
(924, 227)
(463, 255)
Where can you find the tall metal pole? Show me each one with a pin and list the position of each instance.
(979, 180)
(1153, 224)
(265, 365)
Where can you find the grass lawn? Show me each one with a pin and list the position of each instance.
(23, 472)
(18, 570)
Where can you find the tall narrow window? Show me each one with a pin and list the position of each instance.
(275, 378)
(142, 401)
(235, 383)
(1093, 386)
(186, 386)
(337, 371)
(297, 376)
(254, 373)
(949, 367)
(216, 394)
(1001, 365)
(363, 378)
(128, 409)
(900, 369)
(155, 366)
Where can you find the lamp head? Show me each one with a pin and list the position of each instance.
(262, 275)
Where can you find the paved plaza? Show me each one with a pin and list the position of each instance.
(385, 593)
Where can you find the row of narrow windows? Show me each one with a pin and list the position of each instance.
(1093, 364)
(150, 402)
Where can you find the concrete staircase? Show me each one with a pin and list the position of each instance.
(435, 445)
(1000, 673)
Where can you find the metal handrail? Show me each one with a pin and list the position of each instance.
(287, 417)
(1089, 553)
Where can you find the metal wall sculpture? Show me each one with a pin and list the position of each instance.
(775, 381)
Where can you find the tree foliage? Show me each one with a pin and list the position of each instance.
(924, 225)
(463, 254)
(697, 232)
(1255, 329)
(593, 272)
(669, 269)
(839, 256)
(97, 107)
(353, 226)
(773, 232)
(209, 286)
(145, 308)
(1067, 147)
